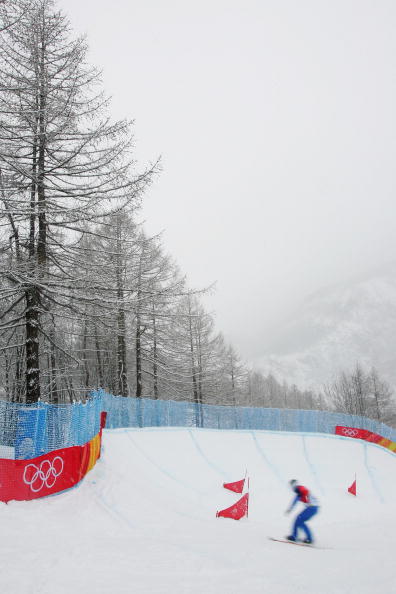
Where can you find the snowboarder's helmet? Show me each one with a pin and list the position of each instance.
(293, 483)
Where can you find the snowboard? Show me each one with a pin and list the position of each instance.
(295, 542)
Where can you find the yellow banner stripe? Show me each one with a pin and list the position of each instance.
(94, 449)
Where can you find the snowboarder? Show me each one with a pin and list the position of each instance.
(311, 508)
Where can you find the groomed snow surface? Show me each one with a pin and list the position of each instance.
(144, 519)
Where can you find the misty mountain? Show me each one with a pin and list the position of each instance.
(336, 327)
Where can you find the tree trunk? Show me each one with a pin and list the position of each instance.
(32, 318)
(98, 358)
(85, 355)
(121, 355)
(193, 370)
(121, 324)
(155, 356)
(138, 347)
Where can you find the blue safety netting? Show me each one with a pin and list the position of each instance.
(143, 412)
(28, 431)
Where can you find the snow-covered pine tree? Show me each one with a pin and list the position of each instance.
(64, 165)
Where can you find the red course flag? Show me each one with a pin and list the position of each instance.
(352, 488)
(236, 511)
(237, 486)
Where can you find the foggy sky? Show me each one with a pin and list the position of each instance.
(275, 122)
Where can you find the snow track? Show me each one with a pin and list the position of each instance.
(143, 520)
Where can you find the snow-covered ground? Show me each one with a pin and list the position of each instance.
(143, 520)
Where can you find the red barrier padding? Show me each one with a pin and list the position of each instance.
(352, 488)
(353, 432)
(237, 486)
(374, 437)
(23, 480)
(236, 511)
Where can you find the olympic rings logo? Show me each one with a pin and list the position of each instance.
(349, 432)
(44, 475)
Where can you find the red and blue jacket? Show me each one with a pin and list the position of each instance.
(305, 496)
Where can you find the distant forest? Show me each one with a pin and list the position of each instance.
(87, 299)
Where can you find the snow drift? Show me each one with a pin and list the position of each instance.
(144, 519)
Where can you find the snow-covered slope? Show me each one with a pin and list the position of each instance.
(334, 329)
(143, 520)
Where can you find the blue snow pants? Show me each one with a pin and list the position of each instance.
(305, 515)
